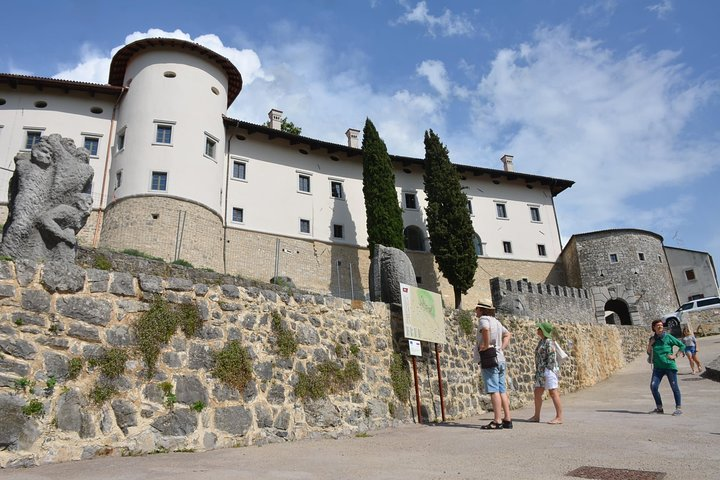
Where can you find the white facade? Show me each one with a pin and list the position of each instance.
(161, 131)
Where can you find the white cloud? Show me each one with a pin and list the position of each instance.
(569, 108)
(661, 9)
(95, 65)
(434, 71)
(448, 24)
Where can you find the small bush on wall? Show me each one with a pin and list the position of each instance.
(328, 377)
(233, 365)
(155, 328)
(400, 377)
(286, 342)
(465, 320)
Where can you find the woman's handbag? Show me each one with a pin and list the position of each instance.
(488, 358)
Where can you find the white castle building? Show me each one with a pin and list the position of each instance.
(176, 178)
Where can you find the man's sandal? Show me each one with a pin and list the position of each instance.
(492, 426)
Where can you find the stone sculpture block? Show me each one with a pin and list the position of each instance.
(49, 201)
(388, 268)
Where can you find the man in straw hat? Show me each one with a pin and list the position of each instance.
(492, 333)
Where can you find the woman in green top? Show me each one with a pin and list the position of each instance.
(660, 348)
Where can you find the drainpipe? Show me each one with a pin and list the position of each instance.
(224, 215)
(101, 211)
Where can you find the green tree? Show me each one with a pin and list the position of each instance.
(384, 216)
(448, 218)
(287, 126)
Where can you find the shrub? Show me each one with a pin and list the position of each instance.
(328, 377)
(34, 408)
(155, 328)
(400, 377)
(74, 368)
(19, 322)
(354, 349)
(138, 253)
(198, 406)
(182, 263)
(101, 393)
(465, 320)
(23, 384)
(111, 363)
(233, 365)
(101, 262)
(286, 343)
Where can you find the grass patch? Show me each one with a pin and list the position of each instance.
(400, 377)
(170, 398)
(19, 322)
(5, 258)
(362, 435)
(111, 363)
(328, 377)
(23, 384)
(286, 342)
(101, 262)
(465, 320)
(198, 406)
(34, 408)
(101, 393)
(138, 253)
(74, 368)
(233, 365)
(182, 263)
(155, 328)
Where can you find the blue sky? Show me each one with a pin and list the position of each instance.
(623, 97)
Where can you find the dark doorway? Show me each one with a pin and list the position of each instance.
(620, 309)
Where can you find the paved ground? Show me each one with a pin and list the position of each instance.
(605, 426)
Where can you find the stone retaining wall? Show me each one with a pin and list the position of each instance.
(53, 314)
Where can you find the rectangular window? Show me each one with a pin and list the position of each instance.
(304, 226)
(338, 231)
(121, 141)
(238, 215)
(336, 189)
(501, 210)
(164, 134)
(541, 251)
(469, 205)
(239, 170)
(690, 274)
(535, 214)
(641, 256)
(33, 137)
(613, 258)
(304, 183)
(410, 201)
(210, 147)
(507, 247)
(118, 179)
(159, 181)
(92, 144)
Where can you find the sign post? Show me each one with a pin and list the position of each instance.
(423, 319)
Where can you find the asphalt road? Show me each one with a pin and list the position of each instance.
(605, 426)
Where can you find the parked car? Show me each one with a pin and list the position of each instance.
(672, 320)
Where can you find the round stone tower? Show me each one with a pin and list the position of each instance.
(627, 272)
(166, 177)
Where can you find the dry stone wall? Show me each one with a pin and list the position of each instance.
(54, 316)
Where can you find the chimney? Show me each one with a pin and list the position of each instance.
(507, 161)
(352, 136)
(275, 118)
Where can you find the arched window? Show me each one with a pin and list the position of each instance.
(414, 238)
(477, 244)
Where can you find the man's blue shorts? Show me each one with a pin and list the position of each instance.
(494, 378)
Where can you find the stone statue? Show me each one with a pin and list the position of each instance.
(388, 268)
(49, 201)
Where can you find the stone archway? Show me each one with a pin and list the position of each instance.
(622, 301)
(620, 312)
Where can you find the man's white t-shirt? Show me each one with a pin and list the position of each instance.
(497, 330)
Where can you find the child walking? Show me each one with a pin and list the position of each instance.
(691, 349)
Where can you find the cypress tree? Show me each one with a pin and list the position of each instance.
(384, 216)
(448, 218)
